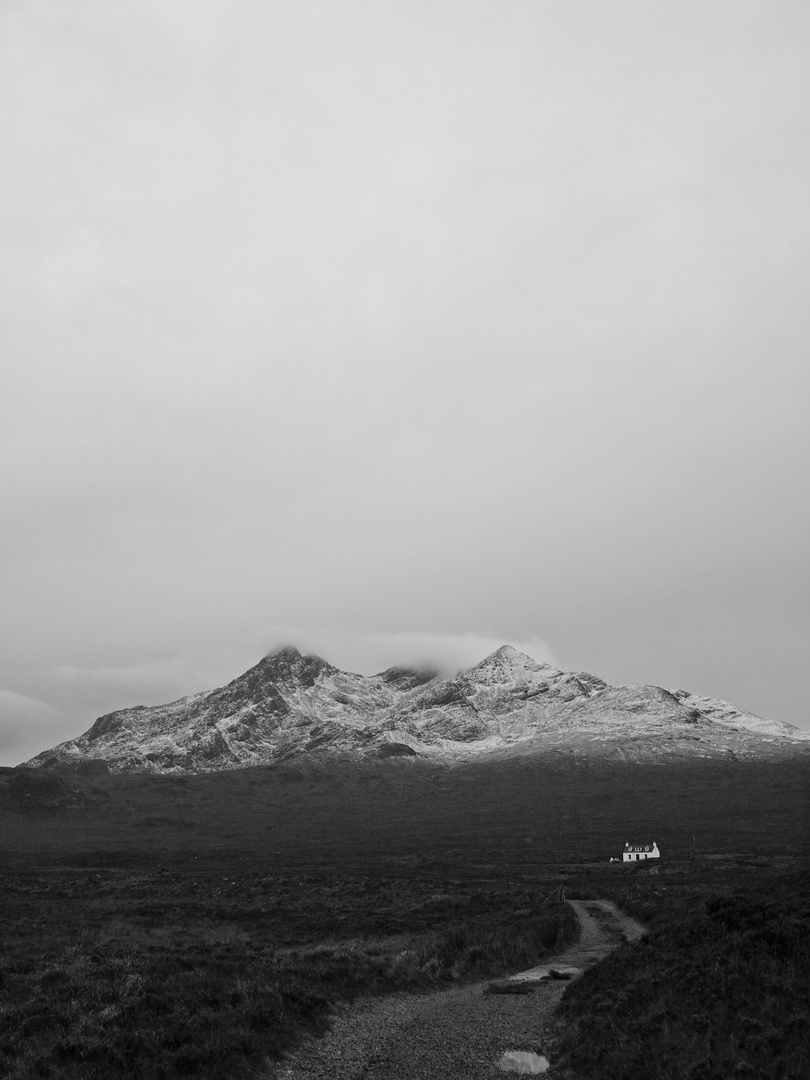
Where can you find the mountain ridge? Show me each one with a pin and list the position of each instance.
(288, 705)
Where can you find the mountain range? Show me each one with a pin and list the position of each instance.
(290, 705)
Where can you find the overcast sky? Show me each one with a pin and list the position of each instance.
(400, 329)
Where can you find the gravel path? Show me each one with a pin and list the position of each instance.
(458, 1033)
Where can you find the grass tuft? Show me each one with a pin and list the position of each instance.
(111, 974)
(719, 988)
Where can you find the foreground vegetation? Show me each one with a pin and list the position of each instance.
(162, 926)
(719, 989)
(108, 973)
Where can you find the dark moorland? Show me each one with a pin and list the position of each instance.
(719, 988)
(160, 926)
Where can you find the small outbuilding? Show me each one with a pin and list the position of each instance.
(636, 852)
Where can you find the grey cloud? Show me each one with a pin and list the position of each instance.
(454, 317)
(373, 651)
(27, 726)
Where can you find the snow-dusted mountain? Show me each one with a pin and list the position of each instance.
(290, 705)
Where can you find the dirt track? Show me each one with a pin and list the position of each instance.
(457, 1034)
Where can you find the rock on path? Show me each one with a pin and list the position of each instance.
(458, 1033)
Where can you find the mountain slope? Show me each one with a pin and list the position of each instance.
(290, 705)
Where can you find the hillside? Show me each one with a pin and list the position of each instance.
(292, 706)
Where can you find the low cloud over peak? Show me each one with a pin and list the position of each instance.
(368, 652)
(28, 725)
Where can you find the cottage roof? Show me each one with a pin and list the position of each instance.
(639, 847)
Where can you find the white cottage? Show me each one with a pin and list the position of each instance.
(635, 852)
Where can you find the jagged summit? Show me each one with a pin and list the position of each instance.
(406, 678)
(289, 705)
(507, 663)
(290, 651)
(290, 664)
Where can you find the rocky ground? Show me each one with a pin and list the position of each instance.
(458, 1034)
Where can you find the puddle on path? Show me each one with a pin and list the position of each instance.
(522, 1061)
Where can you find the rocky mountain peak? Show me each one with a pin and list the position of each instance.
(290, 705)
(405, 678)
(508, 665)
(508, 652)
(288, 665)
(285, 652)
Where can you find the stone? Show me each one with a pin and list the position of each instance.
(523, 1061)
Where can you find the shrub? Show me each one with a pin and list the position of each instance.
(717, 989)
(152, 976)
